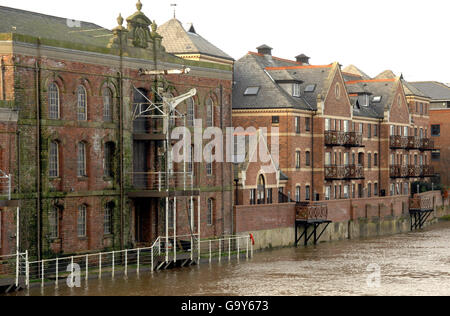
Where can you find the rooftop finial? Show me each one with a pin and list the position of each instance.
(139, 5)
(174, 5)
(120, 20)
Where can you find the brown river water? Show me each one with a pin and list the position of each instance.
(416, 263)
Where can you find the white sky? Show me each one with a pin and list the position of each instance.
(406, 36)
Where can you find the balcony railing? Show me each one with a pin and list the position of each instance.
(413, 143)
(161, 181)
(344, 172)
(421, 204)
(399, 142)
(411, 171)
(311, 211)
(427, 144)
(347, 139)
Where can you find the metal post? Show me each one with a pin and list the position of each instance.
(247, 248)
(152, 260)
(238, 248)
(17, 243)
(9, 187)
(113, 264)
(87, 267)
(138, 260)
(192, 228)
(251, 249)
(42, 273)
(175, 229)
(199, 229)
(126, 262)
(100, 266)
(57, 272)
(229, 249)
(159, 181)
(167, 229)
(220, 250)
(27, 270)
(210, 255)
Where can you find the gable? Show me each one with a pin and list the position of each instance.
(337, 102)
(399, 111)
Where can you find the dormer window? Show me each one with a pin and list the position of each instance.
(310, 88)
(296, 90)
(251, 91)
(364, 100)
(377, 99)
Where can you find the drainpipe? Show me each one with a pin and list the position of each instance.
(38, 152)
(231, 164)
(223, 163)
(379, 157)
(2, 73)
(312, 190)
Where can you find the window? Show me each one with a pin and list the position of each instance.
(190, 112)
(109, 159)
(252, 197)
(81, 104)
(338, 90)
(210, 214)
(108, 220)
(308, 124)
(436, 155)
(269, 196)
(296, 90)
(81, 161)
(369, 161)
(261, 190)
(107, 105)
(275, 120)
(377, 99)
(171, 219)
(327, 159)
(375, 160)
(209, 112)
(53, 160)
(392, 130)
(310, 88)
(190, 164)
(251, 91)
(369, 131)
(297, 194)
(209, 166)
(361, 128)
(308, 159)
(327, 125)
(375, 130)
(346, 126)
(53, 101)
(328, 193)
(297, 125)
(435, 130)
(297, 160)
(81, 227)
(346, 192)
(53, 223)
(375, 189)
(369, 190)
(308, 193)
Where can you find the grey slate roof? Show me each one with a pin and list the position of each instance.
(177, 40)
(435, 90)
(51, 27)
(251, 71)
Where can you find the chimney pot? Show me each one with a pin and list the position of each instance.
(265, 50)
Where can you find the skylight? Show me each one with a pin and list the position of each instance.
(310, 88)
(377, 99)
(251, 91)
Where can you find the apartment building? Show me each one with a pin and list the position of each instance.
(342, 134)
(88, 156)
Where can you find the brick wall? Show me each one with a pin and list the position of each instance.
(263, 217)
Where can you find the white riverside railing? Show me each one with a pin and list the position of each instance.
(5, 185)
(13, 266)
(141, 259)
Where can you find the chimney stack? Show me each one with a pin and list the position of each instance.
(265, 50)
(303, 59)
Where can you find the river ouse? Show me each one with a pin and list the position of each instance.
(87, 117)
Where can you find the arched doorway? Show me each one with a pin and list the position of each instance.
(261, 190)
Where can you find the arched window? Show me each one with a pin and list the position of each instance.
(81, 104)
(108, 220)
(190, 112)
(107, 105)
(209, 112)
(261, 190)
(338, 90)
(109, 159)
(81, 160)
(81, 221)
(53, 160)
(53, 222)
(53, 101)
(210, 214)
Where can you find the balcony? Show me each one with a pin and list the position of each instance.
(311, 211)
(345, 139)
(427, 144)
(149, 129)
(399, 142)
(413, 143)
(350, 172)
(162, 184)
(411, 171)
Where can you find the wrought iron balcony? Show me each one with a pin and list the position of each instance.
(427, 144)
(427, 171)
(311, 211)
(399, 142)
(420, 204)
(161, 183)
(411, 171)
(344, 172)
(399, 171)
(346, 139)
(413, 142)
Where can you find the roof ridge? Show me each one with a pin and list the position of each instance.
(371, 80)
(277, 58)
(299, 67)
